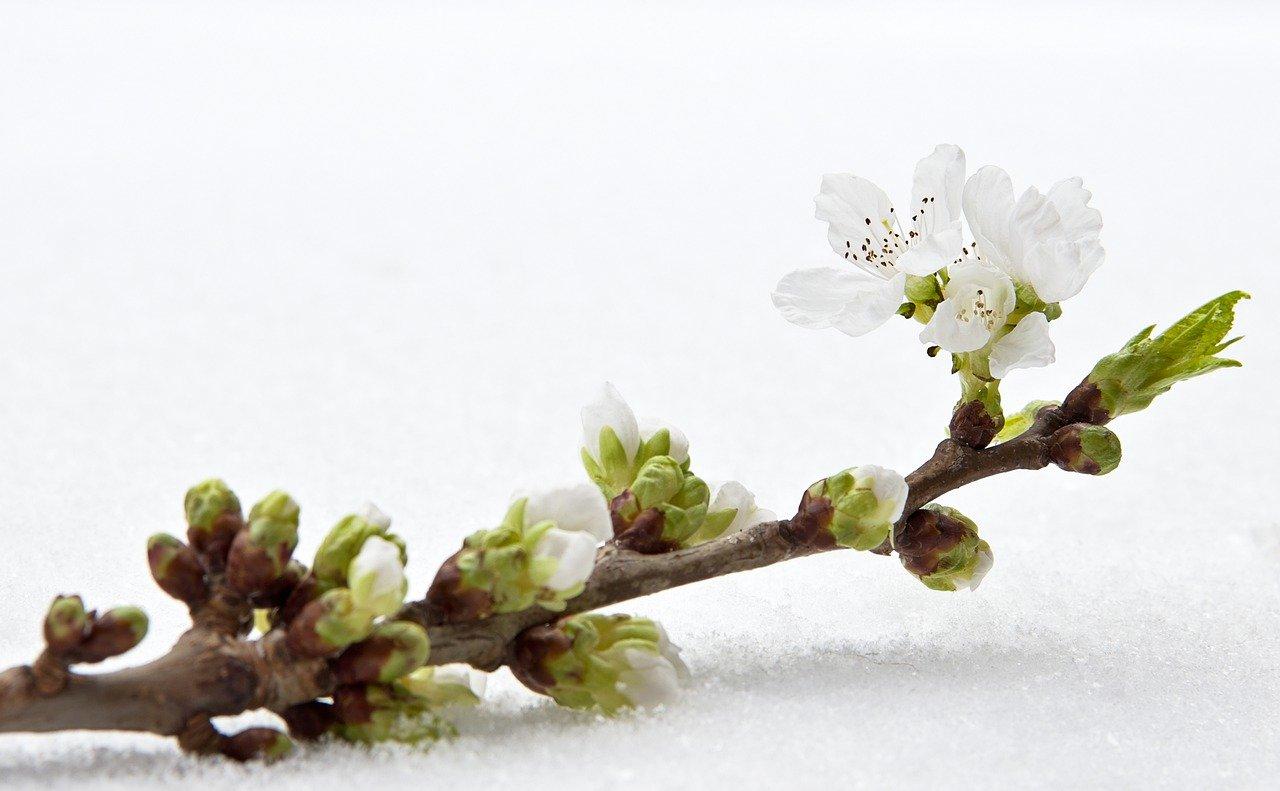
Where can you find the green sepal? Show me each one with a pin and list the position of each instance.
(343, 543)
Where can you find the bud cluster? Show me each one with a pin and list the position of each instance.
(855, 508)
(941, 547)
(358, 577)
(402, 710)
(73, 634)
(542, 553)
(656, 503)
(608, 662)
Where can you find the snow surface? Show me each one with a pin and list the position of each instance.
(387, 252)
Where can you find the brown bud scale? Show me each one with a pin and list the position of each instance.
(972, 426)
(643, 533)
(530, 652)
(452, 600)
(924, 538)
(812, 523)
(1084, 405)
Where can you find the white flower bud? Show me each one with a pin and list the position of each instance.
(374, 516)
(576, 509)
(376, 577)
(889, 487)
(609, 410)
(574, 553)
(736, 496)
(649, 680)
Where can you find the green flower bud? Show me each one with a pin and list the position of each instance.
(1080, 447)
(663, 510)
(268, 744)
(278, 506)
(393, 650)
(657, 481)
(1021, 420)
(213, 519)
(609, 662)
(260, 554)
(941, 547)
(864, 503)
(176, 568)
(112, 633)
(66, 624)
(328, 624)
(344, 542)
(1146, 367)
(442, 686)
(375, 713)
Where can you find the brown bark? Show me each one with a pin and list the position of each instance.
(211, 671)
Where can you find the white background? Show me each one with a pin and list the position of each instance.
(387, 252)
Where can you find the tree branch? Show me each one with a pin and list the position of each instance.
(211, 671)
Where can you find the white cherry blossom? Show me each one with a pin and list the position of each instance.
(1048, 242)
(865, 230)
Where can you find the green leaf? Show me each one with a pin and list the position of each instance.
(1147, 366)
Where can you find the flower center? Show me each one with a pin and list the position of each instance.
(978, 310)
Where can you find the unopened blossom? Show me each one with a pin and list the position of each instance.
(574, 521)
(735, 496)
(374, 515)
(573, 508)
(609, 410)
(879, 247)
(446, 685)
(574, 555)
(610, 662)
(376, 577)
(653, 677)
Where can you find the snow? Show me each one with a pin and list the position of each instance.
(386, 253)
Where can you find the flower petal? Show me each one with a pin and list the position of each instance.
(856, 212)
(1079, 220)
(650, 681)
(985, 561)
(988, 205)
(945, 329)
(732, 494)
(576, 509)
(936, 190)
(609, 409)
(845, 299)
(1027, 346)
(374, 515)
(679, 442)
(1058, 270)
(889, 487)
(575, 555)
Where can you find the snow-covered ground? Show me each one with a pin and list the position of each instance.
(386, 253)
